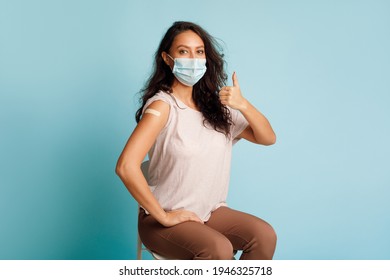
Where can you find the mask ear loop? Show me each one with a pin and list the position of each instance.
(171, 57)
(172, 60)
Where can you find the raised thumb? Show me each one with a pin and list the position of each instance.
(235, 80)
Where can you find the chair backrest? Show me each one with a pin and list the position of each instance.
(140, 246)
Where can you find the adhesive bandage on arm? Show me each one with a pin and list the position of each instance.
(153, 112)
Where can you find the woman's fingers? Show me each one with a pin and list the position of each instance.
(180, 216)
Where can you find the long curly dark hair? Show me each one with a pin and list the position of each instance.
(205, 92)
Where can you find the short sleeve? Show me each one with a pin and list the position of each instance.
(160, 96)
(238, 126)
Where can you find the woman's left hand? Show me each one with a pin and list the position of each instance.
(231, 95)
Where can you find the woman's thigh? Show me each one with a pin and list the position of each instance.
(188, 240)
(246, 232)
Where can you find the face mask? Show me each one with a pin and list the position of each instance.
(189, 70)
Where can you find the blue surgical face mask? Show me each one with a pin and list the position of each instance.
(188, 70)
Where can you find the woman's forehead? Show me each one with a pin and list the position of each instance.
(188, 39)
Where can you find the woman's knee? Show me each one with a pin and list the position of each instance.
(265, 240)
(261, 243)
(271, 235)
(265, 233)
(218, 249)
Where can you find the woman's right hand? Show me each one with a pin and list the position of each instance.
(175, 217)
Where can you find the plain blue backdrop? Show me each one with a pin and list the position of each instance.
(69, 76)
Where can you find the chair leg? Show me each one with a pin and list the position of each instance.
(139, 242)
(139, 248)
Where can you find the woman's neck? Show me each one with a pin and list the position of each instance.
(184, 93)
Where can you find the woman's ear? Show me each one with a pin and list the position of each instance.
(165, 58)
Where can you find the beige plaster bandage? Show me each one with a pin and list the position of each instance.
(153, 112)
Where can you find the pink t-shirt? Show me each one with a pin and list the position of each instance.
(189, 163)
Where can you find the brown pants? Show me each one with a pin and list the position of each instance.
(226, 230)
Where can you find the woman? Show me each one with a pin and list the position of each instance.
(188, 122)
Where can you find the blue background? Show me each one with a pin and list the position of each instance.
(69, 76)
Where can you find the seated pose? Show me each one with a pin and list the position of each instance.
(188, 123)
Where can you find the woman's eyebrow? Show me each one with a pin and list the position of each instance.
(188, 47)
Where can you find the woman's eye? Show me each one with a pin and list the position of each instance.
(182, 51)
(200, 51)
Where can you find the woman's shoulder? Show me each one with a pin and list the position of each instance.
(159, 96)
(155, 105)
(162, 96)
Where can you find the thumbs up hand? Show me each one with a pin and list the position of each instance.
(231, 95)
